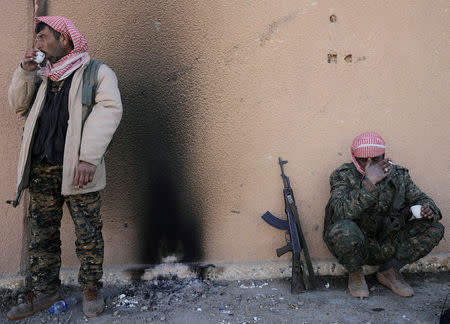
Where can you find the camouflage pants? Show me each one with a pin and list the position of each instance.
(45, 212)
(353, 248)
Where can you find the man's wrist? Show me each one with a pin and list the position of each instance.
(26, 72)
(81, 161)
(369, 184)
(22, 67)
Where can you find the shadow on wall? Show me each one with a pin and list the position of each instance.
(151, 148)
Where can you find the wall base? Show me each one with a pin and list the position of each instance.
(227, 271)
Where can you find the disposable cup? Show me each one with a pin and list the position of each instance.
(416, 211)
(39, 57)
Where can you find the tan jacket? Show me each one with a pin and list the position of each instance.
(88, 143)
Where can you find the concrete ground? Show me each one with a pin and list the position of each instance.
(260, 301)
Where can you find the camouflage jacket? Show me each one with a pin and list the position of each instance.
(378, 210)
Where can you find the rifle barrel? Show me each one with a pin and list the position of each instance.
(286, 182)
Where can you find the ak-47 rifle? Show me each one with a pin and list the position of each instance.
(302, 278)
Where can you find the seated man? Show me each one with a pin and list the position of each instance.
(368, 218)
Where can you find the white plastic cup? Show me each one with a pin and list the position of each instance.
(416, 211)
(39, 57)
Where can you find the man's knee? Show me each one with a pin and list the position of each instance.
(430, 232)
(436, 232)
(344, 235)
(347, 243)
(420, 245)
(343, 228)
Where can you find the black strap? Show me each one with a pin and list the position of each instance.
(90, 82)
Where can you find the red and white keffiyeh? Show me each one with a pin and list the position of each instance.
(72, 61)
(367, 145)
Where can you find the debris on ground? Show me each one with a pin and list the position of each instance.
(253, 301)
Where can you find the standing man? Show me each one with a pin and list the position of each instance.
(368, 218)
(62, 158)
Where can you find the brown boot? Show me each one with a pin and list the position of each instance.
(392, 279)
(93, 302)
(35, 302)
(357, 284)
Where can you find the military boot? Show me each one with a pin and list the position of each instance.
(357, 284)
(93, 302)
(392, 279)
(35, 302)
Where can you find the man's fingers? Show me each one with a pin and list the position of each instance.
(76, 180)
(425, 208)
(86, 178)
(84, 174)
(89, 176)
(29, 60)
(80, 178)
(385, 164)
(426, 211)
(30, 53)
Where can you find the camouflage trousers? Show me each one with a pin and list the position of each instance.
(45, 213)
(353, 248)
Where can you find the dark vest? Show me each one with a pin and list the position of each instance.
(50, 136)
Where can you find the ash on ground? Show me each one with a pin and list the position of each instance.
(257, 301)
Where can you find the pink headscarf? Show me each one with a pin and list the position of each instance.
(72, 61)
(367, 145)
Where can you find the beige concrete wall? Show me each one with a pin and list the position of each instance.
(215, 91)
(15, 28)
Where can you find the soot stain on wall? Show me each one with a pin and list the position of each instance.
(172, 220)
(169, 223)
(153, 143)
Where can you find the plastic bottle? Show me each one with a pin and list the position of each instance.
(62, 305)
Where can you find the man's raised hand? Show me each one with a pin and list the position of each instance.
(28, 62)
(377, 171)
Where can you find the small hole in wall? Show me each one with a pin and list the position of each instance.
(348, 58)
(333, 19)
(332, 58)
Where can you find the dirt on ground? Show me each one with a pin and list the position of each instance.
(261, 301)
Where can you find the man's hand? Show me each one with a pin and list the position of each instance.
(427, 213)
(377, 171)
(84, 174)
(28, 62)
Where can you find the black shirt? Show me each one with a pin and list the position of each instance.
(51, 126)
